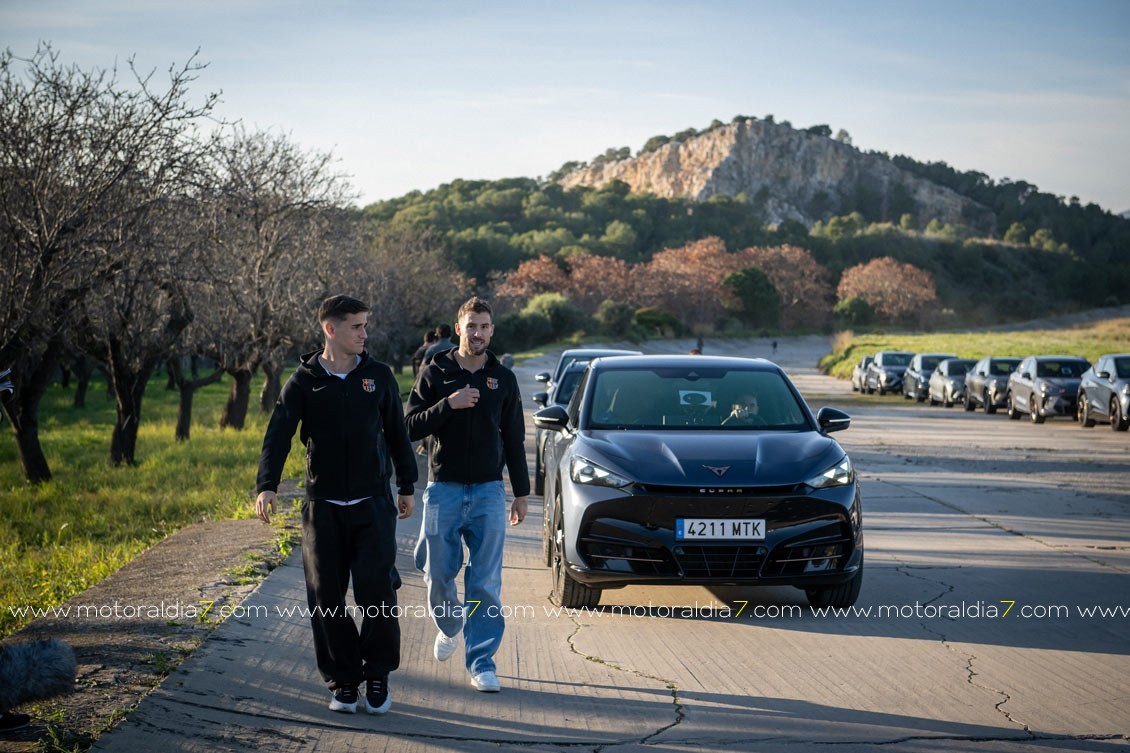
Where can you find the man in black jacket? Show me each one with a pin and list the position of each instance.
(470, 406)
(353, 429)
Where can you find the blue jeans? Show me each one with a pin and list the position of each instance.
(476, 514)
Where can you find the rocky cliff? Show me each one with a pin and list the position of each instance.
(793, 174)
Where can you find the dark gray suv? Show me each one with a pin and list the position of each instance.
(916, 380)
(986, 384)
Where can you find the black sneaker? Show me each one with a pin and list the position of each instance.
(10, 722)
(345, 699)
(377, 698)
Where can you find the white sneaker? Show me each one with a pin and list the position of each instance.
(487, 682)
(445, 646)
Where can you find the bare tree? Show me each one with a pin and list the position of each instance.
(271, 225)
(83, 158)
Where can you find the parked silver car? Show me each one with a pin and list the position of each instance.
(858, 372)
(947, 383)
(1104, 392)
(1045, 386)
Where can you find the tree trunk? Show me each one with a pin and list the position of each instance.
(239, 398)
(187, 389)
(272, 387)
(83, 370)
(31, 374)
(25, 425)
(129, 390)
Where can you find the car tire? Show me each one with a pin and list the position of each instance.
(882, 392)
(1034, 409)
(838, 597)
(567, 592)
(1118, 422)
(1013, 413)
(1083, 412)
(919, 395)
(967, 403)
(947, 398)
(547, 529)
(990, 407)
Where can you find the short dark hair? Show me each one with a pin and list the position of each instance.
(430, 336)
(443, 330)
(338, 307)
(476, 305)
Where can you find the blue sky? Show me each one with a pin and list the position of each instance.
(414, 94)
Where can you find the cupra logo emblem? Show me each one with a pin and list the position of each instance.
(717, 470)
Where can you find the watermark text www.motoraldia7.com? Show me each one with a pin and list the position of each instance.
(209, 611)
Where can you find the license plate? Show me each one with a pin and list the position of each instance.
(714, 529)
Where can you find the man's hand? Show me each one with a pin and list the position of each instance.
(518, 510)
(262, 502)
(406, 503)
(464, 398)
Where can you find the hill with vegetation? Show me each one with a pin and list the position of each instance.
(993, 250)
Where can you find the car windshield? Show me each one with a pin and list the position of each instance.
(1122, 368)
(689, 397)
(564, 390)
(1060, 369)
(957, 368)
(931, 362)
(896, 359)
(1002, 367)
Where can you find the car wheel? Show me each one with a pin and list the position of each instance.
(947, 398)
(919, 395)
(1083, 412)
(990, 408)
(1118, 422)
(967, 402)
(839, 597)
(1013, 413)
(882, 391)
(1034, 409)
(547, 529)
(568, 592)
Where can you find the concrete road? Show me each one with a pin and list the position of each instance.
(992, 546)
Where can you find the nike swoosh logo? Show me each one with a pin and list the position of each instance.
(450, 381)
(316, 389)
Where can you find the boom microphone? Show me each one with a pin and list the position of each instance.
(35, 671)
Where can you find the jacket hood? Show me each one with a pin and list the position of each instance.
(310, 364)
(445, 361)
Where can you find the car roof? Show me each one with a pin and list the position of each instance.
(1060, 358)
(574, 352)
(681, 361)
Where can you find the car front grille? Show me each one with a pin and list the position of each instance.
(720, 561)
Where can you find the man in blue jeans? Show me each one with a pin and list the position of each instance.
(469, 404)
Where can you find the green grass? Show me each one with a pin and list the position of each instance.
(61, 537)
(1087, 340)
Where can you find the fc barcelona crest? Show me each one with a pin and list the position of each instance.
(369, 385)
(492, 383)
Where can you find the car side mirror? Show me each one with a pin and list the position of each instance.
(553, 418)
(542, 377)
(541, 398)
(830, 419)
(1025, 375)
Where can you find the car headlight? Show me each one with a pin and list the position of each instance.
(1050, 389)
(584, 471)
(840, 474)
(1126, 389)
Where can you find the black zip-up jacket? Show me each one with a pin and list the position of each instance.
(471, 445)
(353, 430)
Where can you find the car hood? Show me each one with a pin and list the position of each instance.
(896, 369)
(674, 458)
(1067, 384)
